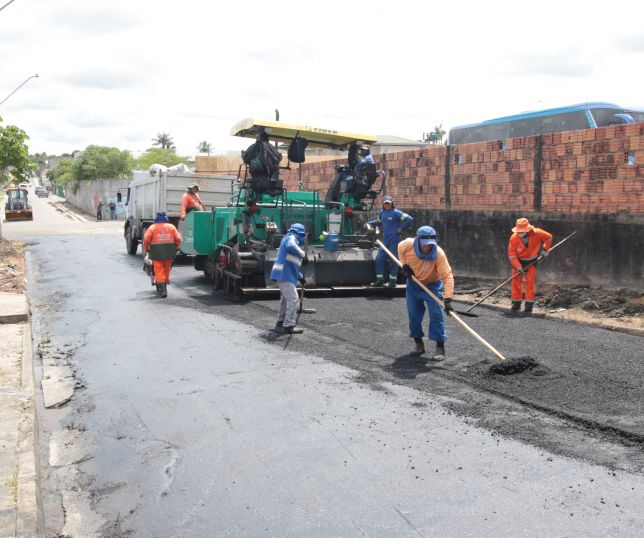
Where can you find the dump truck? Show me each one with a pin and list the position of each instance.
(162, 190)
(17, 206)
(235, 244)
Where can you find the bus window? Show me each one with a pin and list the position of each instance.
(609, 116)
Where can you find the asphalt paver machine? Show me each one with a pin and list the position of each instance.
(236, 245)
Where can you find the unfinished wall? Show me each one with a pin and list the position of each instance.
(90, 192)
(591, 181)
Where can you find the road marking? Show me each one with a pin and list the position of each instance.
(67, 212)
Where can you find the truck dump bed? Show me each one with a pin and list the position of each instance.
(164, 190)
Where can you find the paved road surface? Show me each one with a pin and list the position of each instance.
(188, 420)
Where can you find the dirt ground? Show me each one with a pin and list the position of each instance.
(12, 266)
(616, 308)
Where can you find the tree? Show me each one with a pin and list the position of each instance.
(204, 147)
(166, 157)
(100, 162)
(14, 155)
(164, 140)
(63, 172)
(436, 136)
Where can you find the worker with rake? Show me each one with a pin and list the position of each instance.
(526, 244)
(422, 257)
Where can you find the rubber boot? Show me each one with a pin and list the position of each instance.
(440, 352)
(292, 330)
(419, 348)
(164, 290)
(528, 307)
(279, 326)
(516, 306)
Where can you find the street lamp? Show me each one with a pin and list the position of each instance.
(14, 91)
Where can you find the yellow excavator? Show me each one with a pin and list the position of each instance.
(17, 206)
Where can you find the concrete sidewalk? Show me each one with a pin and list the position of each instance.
(20, 511)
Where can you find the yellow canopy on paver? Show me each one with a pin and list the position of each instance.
(285, 132)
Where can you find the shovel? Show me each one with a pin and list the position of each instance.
(303, 310)
(539, 258)
(452, 314)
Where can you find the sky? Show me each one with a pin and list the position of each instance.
(118, 72)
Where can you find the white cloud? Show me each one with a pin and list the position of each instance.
(117, 72)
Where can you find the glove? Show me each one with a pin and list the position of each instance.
(302, 281)
(545, 253)
(409, 272)
(448, 306)
(305, 260)
(519, 270)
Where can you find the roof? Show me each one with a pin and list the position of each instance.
(285, 132)
(393, 140)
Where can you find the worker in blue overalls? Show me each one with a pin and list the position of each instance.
(392, 221)
(286, 272)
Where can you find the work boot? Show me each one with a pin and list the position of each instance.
(440, 352)
(528, 307)
(391, 283)
(292, 330)
(419, 348)
(278, 327)
(378, 283)
(164, 291)
(516, 306)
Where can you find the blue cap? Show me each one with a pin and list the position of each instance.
(161, 217)
(297, 228)
(426, 235)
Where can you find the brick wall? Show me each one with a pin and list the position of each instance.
(574, 172)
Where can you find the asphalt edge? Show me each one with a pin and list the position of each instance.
(633, 331)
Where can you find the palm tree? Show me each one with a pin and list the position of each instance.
(204, 147)
(440, 133)
(164, 140)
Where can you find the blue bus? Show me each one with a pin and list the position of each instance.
(552, 120)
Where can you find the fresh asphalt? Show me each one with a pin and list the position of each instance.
(191, 419)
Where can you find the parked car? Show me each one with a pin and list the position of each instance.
(41, 192)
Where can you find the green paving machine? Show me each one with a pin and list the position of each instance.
(236, 245)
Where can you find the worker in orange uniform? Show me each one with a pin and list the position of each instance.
(423, 258)
(161, 241)
(190, 201)
(526, 244)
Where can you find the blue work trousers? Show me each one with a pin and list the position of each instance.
(382, 256)
(416, 301)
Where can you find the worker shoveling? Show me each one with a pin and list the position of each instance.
(505, 366)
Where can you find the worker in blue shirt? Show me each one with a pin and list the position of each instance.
(286, 272)
(392, 221)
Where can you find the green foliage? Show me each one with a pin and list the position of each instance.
(166, 157)
(14, 155)
(63, 172)
(96, 162)
(100, 162)
(204, 147)
(164, 140)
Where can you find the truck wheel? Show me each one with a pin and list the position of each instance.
(131, 244)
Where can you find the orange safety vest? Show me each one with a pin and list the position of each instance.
(161, 233)
(428, 271)
(190, 200)
(518, 250)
